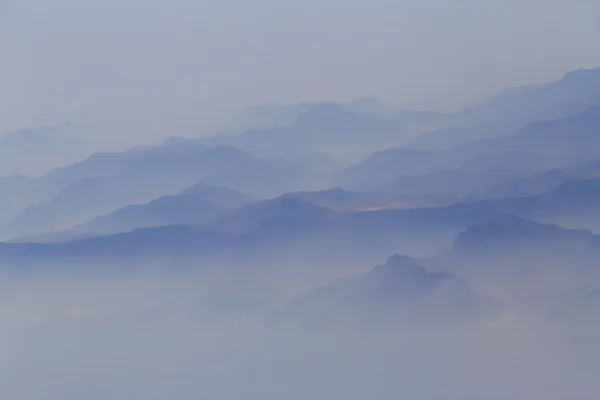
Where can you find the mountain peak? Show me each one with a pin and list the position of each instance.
(582, 76)
(398, 263)
(284, 214)
(402, 269)
(579, 187)
(510, 230)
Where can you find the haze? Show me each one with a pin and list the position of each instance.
(328, 200)
(147, 69)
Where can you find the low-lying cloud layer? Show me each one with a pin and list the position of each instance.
(145, 336)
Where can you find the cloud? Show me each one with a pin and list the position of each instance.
(130, 336)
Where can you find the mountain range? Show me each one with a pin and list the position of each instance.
(46, 147)
(534, 149)
(514, 108)
(105, 182)
(494, 207)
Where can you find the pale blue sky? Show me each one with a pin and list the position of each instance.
(156, 66)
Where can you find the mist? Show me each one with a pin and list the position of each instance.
(139, 71)
(299, 200)
(93, 336)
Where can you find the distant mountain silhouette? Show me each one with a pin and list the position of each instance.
(120, 179)
(573, 204)
(510, 232)
(513, 109)
(546, 181)
(164, 159)
(296, 210)
(76, 204)
(386, 165)
(344, 201)
(530, 185)
(137, 248)
(263, 232)
(196, 205)
(219, 196)
(15, 193)
(447, 137)
(304, 214)
(105, 182)
(458, 184)
(538, 102)
(536, 148)
(269, 116)
(272, 116)
(500, 255)
(574, 197)
(519, 261)
(342, 130)
(400, 292)
(556, 143)
(35, 151)
(280, 216)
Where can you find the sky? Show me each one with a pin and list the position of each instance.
(150, 68)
